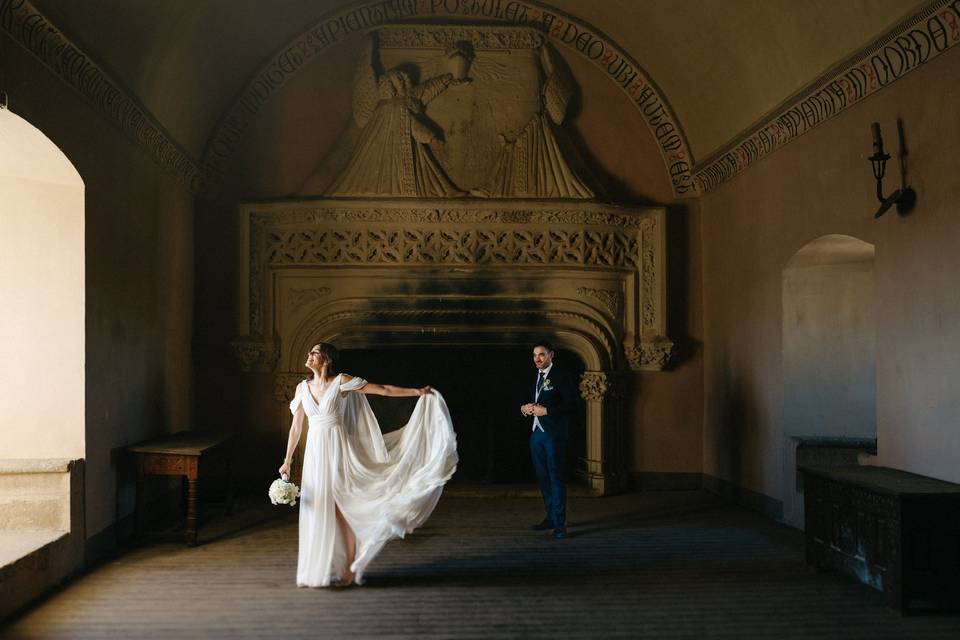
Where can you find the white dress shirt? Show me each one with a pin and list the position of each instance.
(536, 419)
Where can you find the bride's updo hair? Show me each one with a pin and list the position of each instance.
(329, 353)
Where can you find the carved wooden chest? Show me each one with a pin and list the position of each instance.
(895, 531)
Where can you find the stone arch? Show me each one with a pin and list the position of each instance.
(42, 262)
(828, 355)
(558, 27)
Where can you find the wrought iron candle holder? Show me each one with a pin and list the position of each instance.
(904, 197)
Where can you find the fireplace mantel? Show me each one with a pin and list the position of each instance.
(366, 273)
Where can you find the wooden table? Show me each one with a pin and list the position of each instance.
(895, 531)
(187, 453)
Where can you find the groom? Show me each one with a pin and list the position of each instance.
(552, 399)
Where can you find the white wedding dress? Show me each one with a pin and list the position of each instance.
(385, 485)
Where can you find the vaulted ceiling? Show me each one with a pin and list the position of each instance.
(721, 64)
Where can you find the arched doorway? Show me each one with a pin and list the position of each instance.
(42, 288)
(829, 351)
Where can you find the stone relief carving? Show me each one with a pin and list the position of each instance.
(300, 297)
(593, 385)
(650, 356)
(648, 257)
(451, 246)
(392, 156)
(530, 162)
(314, 234)
(612, 301)
(256, 356)
(481, 122)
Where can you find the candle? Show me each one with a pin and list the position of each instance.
(877, 140)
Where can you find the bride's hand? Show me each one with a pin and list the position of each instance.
(285, 469)
(424, 391)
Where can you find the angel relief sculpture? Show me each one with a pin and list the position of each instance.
(392, 156)
(530, 163)
(501, 140)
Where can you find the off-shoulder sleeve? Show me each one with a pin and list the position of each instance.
(297, 399)
(354, 384)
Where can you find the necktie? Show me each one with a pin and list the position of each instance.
(540, 382)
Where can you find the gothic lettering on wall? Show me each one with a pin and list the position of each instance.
(554, 26)
(914, 42)
(34, 32)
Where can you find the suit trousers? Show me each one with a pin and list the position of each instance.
(549, 461)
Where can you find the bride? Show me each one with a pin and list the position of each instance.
(361, 488)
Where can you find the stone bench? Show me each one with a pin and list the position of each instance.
(41, 527)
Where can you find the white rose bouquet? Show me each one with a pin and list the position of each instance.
(282, 491)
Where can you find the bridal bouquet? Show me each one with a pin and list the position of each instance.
(283, 492)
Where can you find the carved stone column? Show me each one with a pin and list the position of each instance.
(593, 389)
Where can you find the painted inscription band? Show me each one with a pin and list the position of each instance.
(914, 42)
(29, 28)
(559, 27)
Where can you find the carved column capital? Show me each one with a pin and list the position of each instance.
(254, 355)
(651, 356)
(593, 385)
(285, 385)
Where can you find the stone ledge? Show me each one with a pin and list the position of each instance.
(35, 465)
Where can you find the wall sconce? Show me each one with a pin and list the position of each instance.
(904, 197)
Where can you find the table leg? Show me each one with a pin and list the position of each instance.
(138, 500)
(192, 485)
(229, 487)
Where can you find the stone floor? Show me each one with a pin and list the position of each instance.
(649, 565)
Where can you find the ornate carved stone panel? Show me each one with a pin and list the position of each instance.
(502, 244)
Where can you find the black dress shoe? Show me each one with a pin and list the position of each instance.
(543, 526)
(559, 534)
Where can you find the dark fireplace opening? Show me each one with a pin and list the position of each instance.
(484, 388)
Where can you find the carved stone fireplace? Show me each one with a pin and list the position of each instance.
(374, 274)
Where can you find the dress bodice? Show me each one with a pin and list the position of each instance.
(328, 408)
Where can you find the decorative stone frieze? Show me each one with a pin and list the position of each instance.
(593, 385)
(371, 233)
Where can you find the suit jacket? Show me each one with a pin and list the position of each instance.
(561, 399)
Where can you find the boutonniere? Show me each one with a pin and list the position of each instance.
(547, 386)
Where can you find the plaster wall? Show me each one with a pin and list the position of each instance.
(821, 184)
(42, 288)
(829, 344)
(138, 278)
(297, 145)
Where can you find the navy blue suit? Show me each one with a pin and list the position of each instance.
(549, 447)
